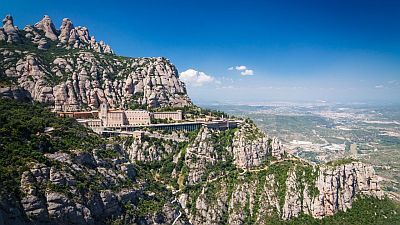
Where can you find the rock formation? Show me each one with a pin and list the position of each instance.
(85, 79)
(10, 30)
(46, 25)
(251, 147)
(54, 194)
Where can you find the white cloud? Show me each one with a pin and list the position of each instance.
(195, 78)
(244, 71)
(379, 86)
(247, 72)
(240, 68)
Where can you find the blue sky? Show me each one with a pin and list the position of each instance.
(307, 50)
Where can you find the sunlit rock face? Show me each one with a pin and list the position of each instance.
(88, 76)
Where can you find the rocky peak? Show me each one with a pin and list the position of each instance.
(10, 30)
(65, 30)
(47, 26)
(67, 37)
(8, 22)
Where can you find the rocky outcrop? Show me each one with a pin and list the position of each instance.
(201, 154)
(83, 80)
(256, 199)
(251, 146)
(86, 80)
(67, 34)
(281, 186)
(338, 187)
(46, 25)
(210, 206)
(44, 31)
(3, 36)
(82, 188)
(15, 93)
(148, 149)
(9, 30)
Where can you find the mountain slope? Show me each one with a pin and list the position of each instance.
(81, 73)
(53, 170)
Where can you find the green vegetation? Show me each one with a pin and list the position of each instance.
(162, 169)
(223, 140)
(261, 178)
(158, 121)
(280, 172)
(364, 211)
(135, 104)
(252, 132)
(27, 131)
(340, 162)
(107, 153)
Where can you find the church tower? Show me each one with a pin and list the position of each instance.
(103, 115)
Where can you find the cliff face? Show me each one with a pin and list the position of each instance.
(335, 188)
(83, 188)
(75, 72)
(285, 187)
(176, 178)
(251, 147)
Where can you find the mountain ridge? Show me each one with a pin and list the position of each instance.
(76, 73)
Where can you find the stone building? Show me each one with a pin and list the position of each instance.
(118, 118)
(176, 116)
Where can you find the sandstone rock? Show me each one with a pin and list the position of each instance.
(65, 31)
(15, 93)
(85, 159)
(10, 29)
(110, 202)
(80, 87)
(251, 146)
(292, 206)
(42, 44)
(47, 26)
(3, 36)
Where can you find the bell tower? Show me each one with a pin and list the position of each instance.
(103, 115)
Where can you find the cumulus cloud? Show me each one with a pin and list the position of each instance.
(243, 70)
(247, 72)
(240, 68)
(195, 78)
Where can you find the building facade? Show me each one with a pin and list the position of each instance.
(176, 116)
(119, 118)
(137, 117)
